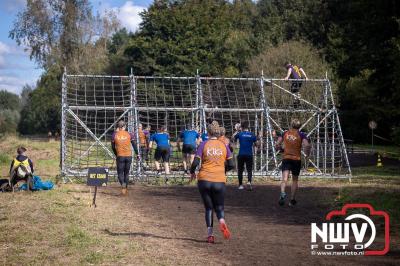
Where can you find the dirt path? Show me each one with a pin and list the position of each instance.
(170, 220)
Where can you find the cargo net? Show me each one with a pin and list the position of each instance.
(92, 106)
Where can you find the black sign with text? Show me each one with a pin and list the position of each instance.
(97, 176)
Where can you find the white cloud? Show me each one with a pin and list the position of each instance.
(7, 50)
(129, 16)
(12, 83)
(15, 72)
(4, 48)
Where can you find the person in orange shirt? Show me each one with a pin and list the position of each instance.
(224, 139)
(144, 143)
(214, 156)
(292, 140)
(122, 143)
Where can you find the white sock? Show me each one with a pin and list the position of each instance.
(209, 231)
(222, 221)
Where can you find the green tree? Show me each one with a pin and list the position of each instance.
(9, 101)
(43, 109)
(66, 33)
(25, 94)
(300, 53)
(10, 106)
(179, 37)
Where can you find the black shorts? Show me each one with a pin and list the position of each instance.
(188, 149)
(295, 86)
(292, 165)
(162, 153)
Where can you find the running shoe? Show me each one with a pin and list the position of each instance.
(186, 172)
(211, 239)
(225, 231)
(241, 187)
(158, 173)
(282, 198)
(124, 191)
(249, 186)
(292, 202)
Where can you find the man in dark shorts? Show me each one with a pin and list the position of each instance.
(245, 157)
(161, 138)
(297, 73)
(190, 138)
(293, 140)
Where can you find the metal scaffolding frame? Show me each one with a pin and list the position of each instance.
(329, 156)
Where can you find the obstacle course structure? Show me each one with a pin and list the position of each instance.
(93, 104)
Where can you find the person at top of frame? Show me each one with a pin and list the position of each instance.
(213, 155)
(161, 138)
(21, 167)
(190, 139)
(122, 142)
(297, 73)
(245, 157)
(294, 72)
(293, 140)
(144, 143)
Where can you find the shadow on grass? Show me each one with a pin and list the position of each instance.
(142, 234)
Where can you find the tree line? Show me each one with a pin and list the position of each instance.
(356, 42)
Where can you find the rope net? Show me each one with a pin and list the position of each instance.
(92, 105)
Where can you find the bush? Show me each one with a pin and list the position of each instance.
(9, 120)
(300, 53)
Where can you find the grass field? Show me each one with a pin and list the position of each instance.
(163, 225)
(391, 151)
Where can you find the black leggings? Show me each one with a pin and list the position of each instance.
(242, 160)
(213, 194)
(123, 167)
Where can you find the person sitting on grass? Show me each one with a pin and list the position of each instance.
(21, 169)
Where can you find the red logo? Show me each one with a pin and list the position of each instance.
(372, 212)
(335, 237)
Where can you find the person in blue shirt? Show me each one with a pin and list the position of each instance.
(204, 136)
(190, 139)
(161, 138)
(245, 157)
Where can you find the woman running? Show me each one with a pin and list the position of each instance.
(213, 154)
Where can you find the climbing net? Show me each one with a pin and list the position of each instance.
(92, 105)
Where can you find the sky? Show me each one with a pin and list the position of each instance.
(16, 68)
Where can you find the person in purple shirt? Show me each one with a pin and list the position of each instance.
(297, 73)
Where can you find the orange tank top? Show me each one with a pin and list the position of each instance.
(213, 154)
(142, 138)
(292, 141)
(122, 140)
(224, 139)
